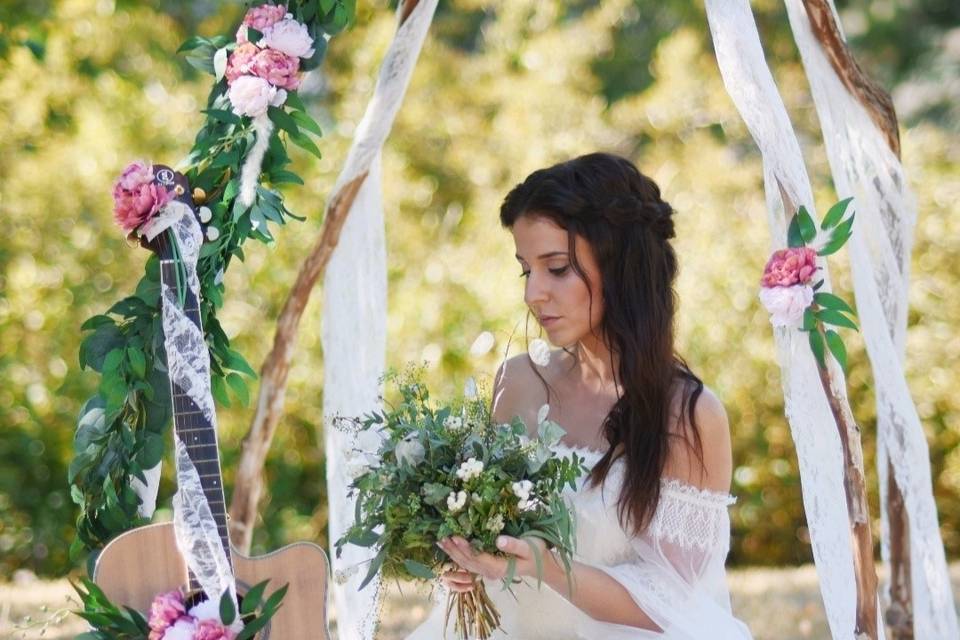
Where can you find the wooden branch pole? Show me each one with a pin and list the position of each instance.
(248, 484)
(858, 509)
(879, 105)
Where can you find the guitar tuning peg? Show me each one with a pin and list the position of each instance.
(212, 233)
(205, 214)
(199, 195)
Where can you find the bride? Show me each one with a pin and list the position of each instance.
(592, 238)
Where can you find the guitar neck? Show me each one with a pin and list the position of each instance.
(194, 429)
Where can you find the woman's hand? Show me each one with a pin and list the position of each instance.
(458, 580)
(494, 567)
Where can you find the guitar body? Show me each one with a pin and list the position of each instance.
(139, 564)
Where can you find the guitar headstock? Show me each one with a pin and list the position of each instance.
(175, 182)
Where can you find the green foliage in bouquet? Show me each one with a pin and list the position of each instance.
(448, 469)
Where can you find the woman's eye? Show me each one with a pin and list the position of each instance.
(560, 270)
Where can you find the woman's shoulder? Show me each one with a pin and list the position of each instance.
(709, 466)
(519, 385)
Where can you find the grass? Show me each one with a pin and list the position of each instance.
(781, 604)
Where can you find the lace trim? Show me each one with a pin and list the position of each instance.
(691, 517)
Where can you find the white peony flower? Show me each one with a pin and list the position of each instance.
(250, 96)
(456, 501)
(470, 469)
(290, 37)
(539, 352)
(410, 452)
(495, 524)
(453, 423)
(182, 629)
(522, 489)
(787, 304)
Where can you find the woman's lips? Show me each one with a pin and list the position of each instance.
(546, 321)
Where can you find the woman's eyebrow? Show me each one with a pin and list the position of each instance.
(552, 254)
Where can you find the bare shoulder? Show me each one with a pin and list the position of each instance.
(518, 390)
(712, 470)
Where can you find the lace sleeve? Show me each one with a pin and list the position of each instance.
(676, 573)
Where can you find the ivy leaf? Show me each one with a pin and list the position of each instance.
(830, 301)
(138, 362)
(816, 345)
(237, 362)
(418, 570)
(152, 450)
(836, 318)
(835, 214)
(239, 387)
(228, 612)
(837, 348)
(283, 120)
(808, 228)
(219, 390)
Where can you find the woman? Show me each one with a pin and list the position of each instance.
(592, 238)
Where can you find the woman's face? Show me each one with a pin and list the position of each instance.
(555, 293)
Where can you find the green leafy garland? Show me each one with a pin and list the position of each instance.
(121, 430)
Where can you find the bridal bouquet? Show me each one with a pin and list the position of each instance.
(447, 469)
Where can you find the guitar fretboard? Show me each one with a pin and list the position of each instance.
(194, 430)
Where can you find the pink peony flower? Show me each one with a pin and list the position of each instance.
(787, 304)
(250, 96)
(136, 198)
(213, 630)
(788, 267)
(240, 61)
(260, 18)
(290, 37)
(165, 610)
(277, 68)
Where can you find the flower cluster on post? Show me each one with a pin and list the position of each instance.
(136, 198)
(266, 61)
(788, 290)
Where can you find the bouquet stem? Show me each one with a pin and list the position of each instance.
(476, 615)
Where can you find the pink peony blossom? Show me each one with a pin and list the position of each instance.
(213, 630)
(277, 68)
(788, 267)
(290, 37)
(260, 18)
(240, 61)
(787, 304)
(136, 198)
(250, 96)
(165, 610)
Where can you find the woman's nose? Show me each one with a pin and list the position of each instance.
(535, 292)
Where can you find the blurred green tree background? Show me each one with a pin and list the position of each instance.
(501, 89)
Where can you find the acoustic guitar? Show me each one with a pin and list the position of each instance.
(139, 564)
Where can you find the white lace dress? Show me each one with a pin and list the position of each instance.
(674, 571)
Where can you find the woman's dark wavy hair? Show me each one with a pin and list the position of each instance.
(605, 200)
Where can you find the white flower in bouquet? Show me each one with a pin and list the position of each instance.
(787, 304)
(522, 489)
(470, 469)
(539, 352)
(456, 501)
(453, 423)
(410, 452)
(495, 524)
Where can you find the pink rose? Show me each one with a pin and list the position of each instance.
(240, 61)
(787, 304)
(260, 18)
(788, 267)
(212, 630)
(277, 68)
(290, 37)
(250, 96)
(135, 198)
(165, 610)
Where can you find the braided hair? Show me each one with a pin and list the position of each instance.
(606, 201)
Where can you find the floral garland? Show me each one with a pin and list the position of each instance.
(787, 289)
(176, 616)
(234, 169)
